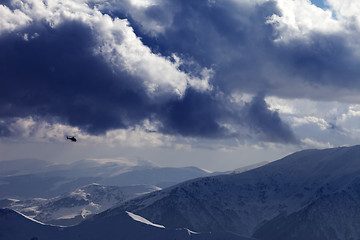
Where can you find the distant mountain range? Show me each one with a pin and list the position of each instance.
(312, 194)
(32, 178)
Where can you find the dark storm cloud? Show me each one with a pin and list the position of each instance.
(229, 37)
(197, 114)
(212, 35)
(268, 123)
(236, 42)
(326, 61)
(202, 115)
(55, 75)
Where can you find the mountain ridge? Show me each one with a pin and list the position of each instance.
(243, 203)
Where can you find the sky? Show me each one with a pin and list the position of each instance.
(216, 84)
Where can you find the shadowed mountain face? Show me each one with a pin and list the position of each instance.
(121, 226)
(312, 194)
(334, 216)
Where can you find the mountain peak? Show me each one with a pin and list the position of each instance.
(243, 202)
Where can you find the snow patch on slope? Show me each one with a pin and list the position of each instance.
(143, 220)
(31, 219)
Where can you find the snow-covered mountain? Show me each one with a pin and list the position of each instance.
(312, 194)
(249, 167)
(71, 208)
(124, 225)
(31, 178)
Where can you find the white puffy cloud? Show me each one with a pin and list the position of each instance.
(12, 20)
(347, 11)
(353, 112)
(300, 18)
(117, 43)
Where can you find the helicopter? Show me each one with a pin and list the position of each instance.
(71, 138)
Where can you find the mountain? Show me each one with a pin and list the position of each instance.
(71, 208)
(249, 167)
(161, 177)
(125, 226)
(312, 194)
(29, 178)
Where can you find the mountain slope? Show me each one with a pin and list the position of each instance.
(125, 226)
(256, 200)
(333, 216)
(71, 208)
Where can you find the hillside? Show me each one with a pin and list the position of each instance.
(73, 207)
(318, 185)
(125, 226)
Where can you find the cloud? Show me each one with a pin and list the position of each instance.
(102, 66)
(216, 116)
(30, 129)
(61, 77)
(283, 48)
(310, 143)
(12, 20)
(268, 123)
(346, 11)
(84, 68)
(300, 18)
(197, 114)
(335, 123)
